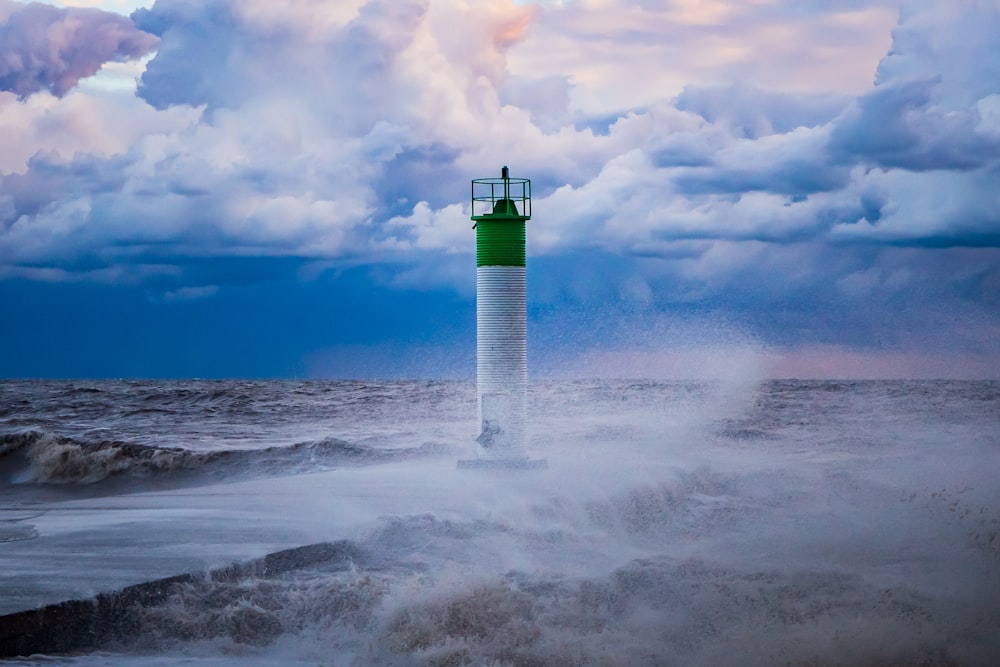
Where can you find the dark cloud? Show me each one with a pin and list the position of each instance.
(213, 53)
(797, 177)
(185, 68)
(949, 42)
(898, 126)
(933, 106)
(48, 181)
(546, 98)
(395, 189)
(47, 48)
(750, 112)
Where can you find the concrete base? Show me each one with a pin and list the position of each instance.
(86, 625)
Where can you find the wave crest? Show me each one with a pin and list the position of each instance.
(42, 458)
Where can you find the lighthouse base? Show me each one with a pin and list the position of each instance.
(520, 463)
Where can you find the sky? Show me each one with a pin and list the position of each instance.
(244, 188)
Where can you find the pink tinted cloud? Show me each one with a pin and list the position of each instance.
(47, 48)
(623, 54)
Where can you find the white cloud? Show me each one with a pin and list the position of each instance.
(92, 122)
(191, 293)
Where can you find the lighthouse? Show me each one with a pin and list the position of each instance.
(500, 209)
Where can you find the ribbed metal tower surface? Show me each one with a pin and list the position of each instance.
(501, 358)
(501, 315)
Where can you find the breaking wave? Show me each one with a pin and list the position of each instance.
(41, 458)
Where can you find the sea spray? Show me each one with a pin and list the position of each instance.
(800, 522)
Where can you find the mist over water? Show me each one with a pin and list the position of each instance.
(678, 523)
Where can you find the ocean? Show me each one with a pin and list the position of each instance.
(781, 522)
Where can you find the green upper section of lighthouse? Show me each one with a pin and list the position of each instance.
(500, 242)
(500, 207)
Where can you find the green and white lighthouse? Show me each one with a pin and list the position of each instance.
(500, 209)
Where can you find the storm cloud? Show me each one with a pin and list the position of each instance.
(46, 48)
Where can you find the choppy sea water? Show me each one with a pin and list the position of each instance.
(783, 522)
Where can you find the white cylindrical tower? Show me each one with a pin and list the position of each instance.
(501, 358)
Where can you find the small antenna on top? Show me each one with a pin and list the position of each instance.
(504, 172)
